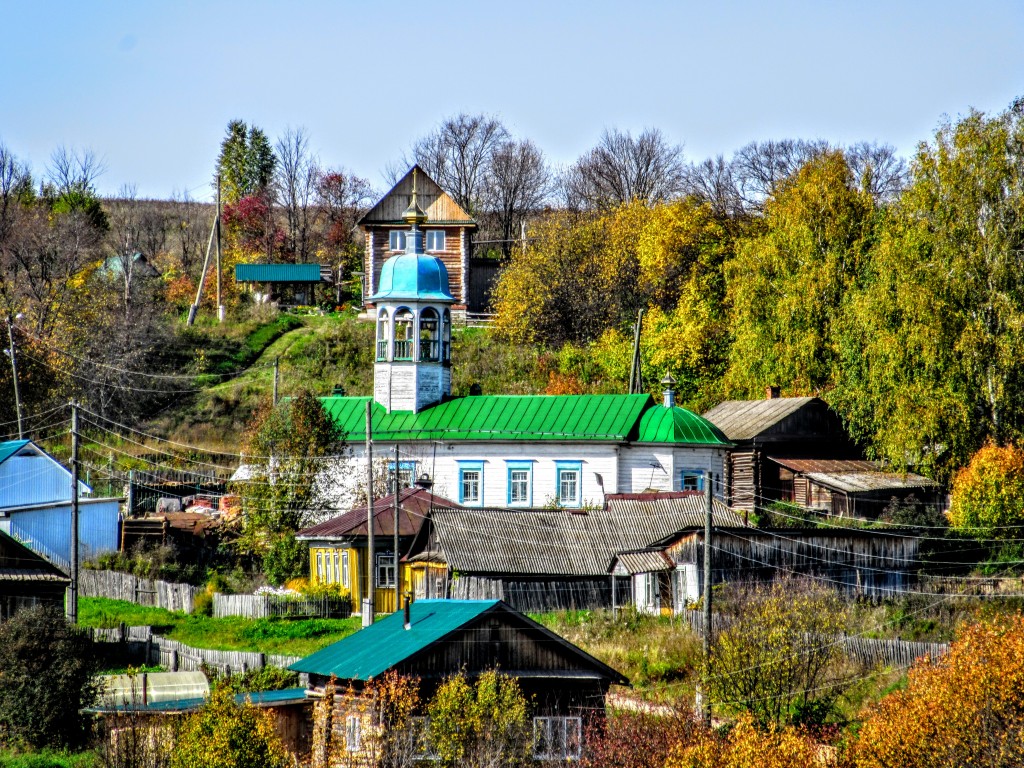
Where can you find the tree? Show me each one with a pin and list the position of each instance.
(637, 739)
(343, 198)
(879, 171)
(223, 734)
(963, 708)
(458, 154)
(246, 162)
(622, 169)
(47, 677)
(518, 181)
(482, 725)
(760, 167)
(290, 484)
(190, 230)
(788, 285)
(296, 178)
(775, 657)
(987, 499)
(745, 745)
(124, 236)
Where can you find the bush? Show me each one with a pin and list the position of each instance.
(47, 677)
(286, 559)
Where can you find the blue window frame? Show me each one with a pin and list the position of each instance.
(471, 483)
(691, 480)
(519, 484)
(569, 483)
(406, 474)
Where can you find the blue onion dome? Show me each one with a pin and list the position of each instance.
(413, 276)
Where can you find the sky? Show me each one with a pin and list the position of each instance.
(150, 85)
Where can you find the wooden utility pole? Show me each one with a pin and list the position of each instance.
(73, 590)
(14, 373)
(214, 230)
(398, 592)
(277, 361)
(369, 597)
(709, 506)
(220, 304)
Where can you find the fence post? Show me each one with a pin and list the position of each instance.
(174, 660)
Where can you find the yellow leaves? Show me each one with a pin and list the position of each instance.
(747, 746)
(988, 494)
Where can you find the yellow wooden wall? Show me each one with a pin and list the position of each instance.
(384, 597)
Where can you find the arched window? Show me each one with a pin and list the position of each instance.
(404, 321)
(383, 335)
(446, 337)
(430, 335)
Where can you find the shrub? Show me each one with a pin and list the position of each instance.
(287, 558)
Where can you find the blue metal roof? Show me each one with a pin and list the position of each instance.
(277, 273)
(413, 276)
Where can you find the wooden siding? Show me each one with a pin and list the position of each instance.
(434, 201)
(453, 257)
(744, 480)
(384, 597)
(538, 595)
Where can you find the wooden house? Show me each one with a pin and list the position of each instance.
(338, 547)
(35, 506)
(27, 579)
(775, 437)
(668, 575)
(448, 233)
(437, 639)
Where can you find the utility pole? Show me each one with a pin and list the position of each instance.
(214, 230)
(369, 597)
(709, 505)
(220, 304)
(73, 591)
(398, 591)
(277, 360)
(14, 373)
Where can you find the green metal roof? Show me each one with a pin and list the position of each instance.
(277, 273)
(532, 418)
(678, 425)
(10, 448)
(377, 648)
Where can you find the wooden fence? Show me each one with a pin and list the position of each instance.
(279, 606)
(125, 586)
(141, 645)
(866, 650)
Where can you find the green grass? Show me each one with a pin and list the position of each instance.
(294, 637)
(48, 759)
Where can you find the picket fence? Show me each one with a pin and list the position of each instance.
(866, 650)
(125, 586)
(143, 646)
(278, 606)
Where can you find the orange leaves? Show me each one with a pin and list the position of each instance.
(988, 494)
(747, 746)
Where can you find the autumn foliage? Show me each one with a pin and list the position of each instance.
(965, 708)
(988, 494)
(745, 745)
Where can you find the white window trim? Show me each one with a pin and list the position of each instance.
(398, 235)
(563, 727)
(569, 466)
(435, 233)
(385, 562)
(471, 466)
(519, 465)
(353, 733)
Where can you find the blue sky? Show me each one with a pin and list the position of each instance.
(150, 86)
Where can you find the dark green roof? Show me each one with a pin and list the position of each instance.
(677, 425)
(10, 448)
(277, 273)
(497, 418)
(377, 648)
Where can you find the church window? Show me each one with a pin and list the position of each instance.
(382, 335)
(430, 341)
(403, 334)
(446, 337)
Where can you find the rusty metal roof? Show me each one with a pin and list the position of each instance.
(746, 419)
(540, 542)
(854, 476)
(414, 506)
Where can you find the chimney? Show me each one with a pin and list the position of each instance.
(408, 614)
(670, 394)
(772, 393)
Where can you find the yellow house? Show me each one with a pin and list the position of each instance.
(338, 550)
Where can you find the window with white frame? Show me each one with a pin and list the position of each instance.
(471, 483)
(691, 480)
(435, 239)
(320, 567)
(386, 569)
(570, 477)
(353, 732)
(329, 570)
(337, 566)
(557, 738)
(397, 240)
(520, 483)
(406, 474)
(344, 569)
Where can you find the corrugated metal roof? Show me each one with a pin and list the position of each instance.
(644, 561)
(377, 648)
(414, 505)
(746, 419)
(277, 273)
(854, 476)
(677, 425)
(435, 202)
(11, 447)
(498, 418)
(562, 542)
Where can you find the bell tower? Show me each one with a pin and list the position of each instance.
(414, 324)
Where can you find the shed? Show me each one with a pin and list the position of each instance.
(445, 637)
(285, 282)
(27, 579)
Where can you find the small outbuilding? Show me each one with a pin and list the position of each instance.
(27, 579)
(289, 283)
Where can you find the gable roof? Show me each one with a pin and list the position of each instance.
(11, 447)
(19, 563)
(747, 419)
(513, 418)
(561, 542)
(386, 643)
(414, 506)
(435, 202)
